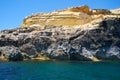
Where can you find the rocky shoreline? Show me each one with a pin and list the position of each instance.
(76, 33)
(99, 40)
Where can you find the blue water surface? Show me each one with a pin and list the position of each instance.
(59, 70)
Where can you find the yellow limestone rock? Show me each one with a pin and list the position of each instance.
(95, 59)
(57, 19)
(100, 11)
(83, 8)
(115, 11)
(73, 16)
(41, 57)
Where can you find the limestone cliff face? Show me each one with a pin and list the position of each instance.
(116, 11)
(100, 11)
(83, 8)
(57, 19)
(67, 17)
(94, 41)
(70, 34)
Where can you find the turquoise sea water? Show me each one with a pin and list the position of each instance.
(59, 70)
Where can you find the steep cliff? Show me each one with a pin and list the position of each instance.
(67, 17)
(93, 40)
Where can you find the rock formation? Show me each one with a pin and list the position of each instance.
(69, 34)
(116, 11)
(67, 17)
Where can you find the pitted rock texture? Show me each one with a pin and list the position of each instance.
(97, 40)
(76, 33)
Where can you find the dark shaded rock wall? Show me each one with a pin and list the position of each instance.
(102, 42)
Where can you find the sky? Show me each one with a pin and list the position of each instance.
(12, 12)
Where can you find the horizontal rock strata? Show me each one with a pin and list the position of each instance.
(67, 17)
(74, 33)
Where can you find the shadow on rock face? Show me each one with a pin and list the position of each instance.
(29, 49)
(12, 53)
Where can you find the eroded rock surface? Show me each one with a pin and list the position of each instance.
(72, 34)
(72, 16)
(99, 39)
(116, 11)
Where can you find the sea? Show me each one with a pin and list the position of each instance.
(60, 70)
